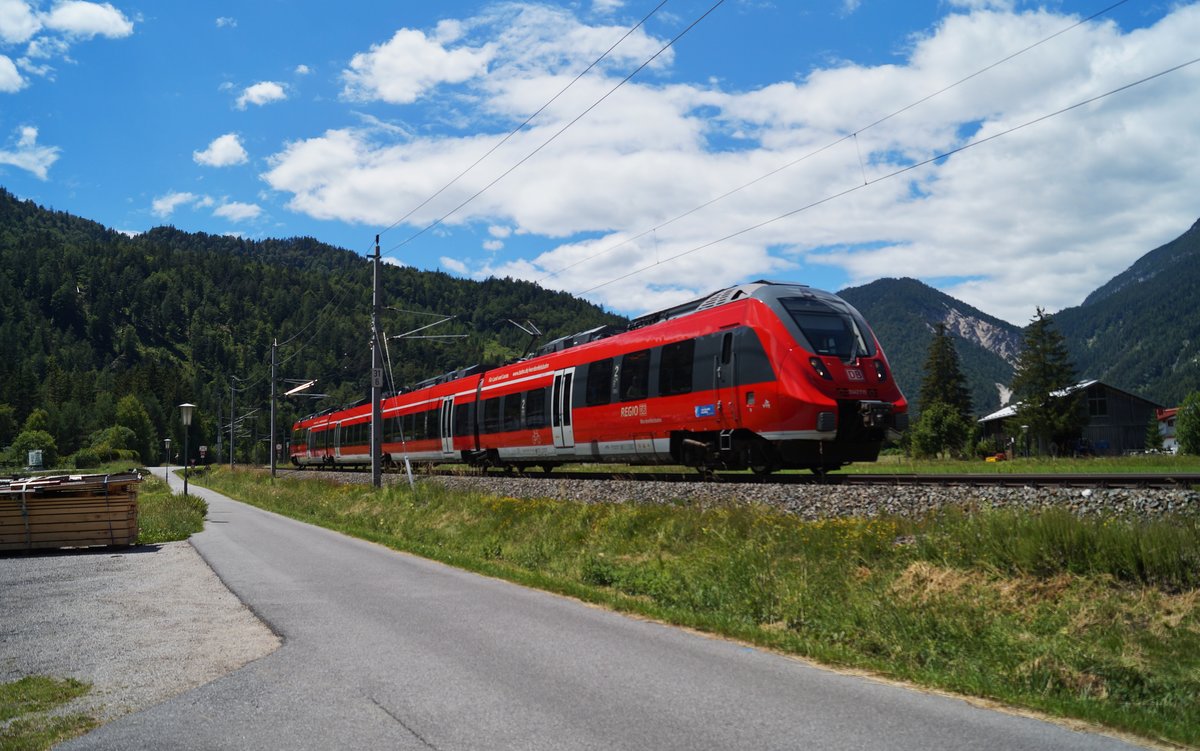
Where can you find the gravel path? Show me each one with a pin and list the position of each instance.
(141, 624)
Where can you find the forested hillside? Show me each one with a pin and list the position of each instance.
(89, 316)
(1141, 330)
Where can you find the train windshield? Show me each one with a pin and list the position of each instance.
(829, 331)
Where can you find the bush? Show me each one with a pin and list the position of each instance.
(86, 459)
(35, 440)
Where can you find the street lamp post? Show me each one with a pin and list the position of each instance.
(185, 415)
(167, 443)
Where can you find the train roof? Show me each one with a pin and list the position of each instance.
(761, 289)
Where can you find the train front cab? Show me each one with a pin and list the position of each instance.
(835, 378)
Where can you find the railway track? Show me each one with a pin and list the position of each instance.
(1174, 481)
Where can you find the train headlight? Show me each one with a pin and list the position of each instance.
(880, 371)
(819, 366)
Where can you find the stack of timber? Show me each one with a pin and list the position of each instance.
(68, 511)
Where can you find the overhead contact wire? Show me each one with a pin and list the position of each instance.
(528, 120)
(562, 130)
(832, 144)
(897, 172)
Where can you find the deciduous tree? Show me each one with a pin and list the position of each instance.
(1187, 424)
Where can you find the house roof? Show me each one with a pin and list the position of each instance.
(1010, 410)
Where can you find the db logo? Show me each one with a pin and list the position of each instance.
(854, 374)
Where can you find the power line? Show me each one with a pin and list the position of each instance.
(897, 172)
(853, 135)
(562, 130)
(528, 120)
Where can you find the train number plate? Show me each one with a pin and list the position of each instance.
(854, 374)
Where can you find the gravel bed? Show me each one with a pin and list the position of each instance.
(820, 501)
(140, 624)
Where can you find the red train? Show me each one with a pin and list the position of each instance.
(763, 375)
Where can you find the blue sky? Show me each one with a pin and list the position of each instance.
(266, 118)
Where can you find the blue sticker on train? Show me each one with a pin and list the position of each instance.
(706, 410)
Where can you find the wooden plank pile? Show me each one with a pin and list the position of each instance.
(68, 511)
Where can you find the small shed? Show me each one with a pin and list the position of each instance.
(1116, 419)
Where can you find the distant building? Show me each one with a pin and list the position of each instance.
(1166, 428)
(1116, 421)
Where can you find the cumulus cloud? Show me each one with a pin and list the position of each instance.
(26, 154)
(18, 23)
(261, 93)
(226, 22)
(236, 211)
(86, 20)
(1038, 217)
(10, 77)
(165, 205)
(410, 63)
(303, 70)
(453, 264)
(224, 151)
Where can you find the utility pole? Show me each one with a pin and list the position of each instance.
(274, 345)
(376, 376)
(232, 445)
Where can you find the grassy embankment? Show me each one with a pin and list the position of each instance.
(27, 718)
(1091, 619)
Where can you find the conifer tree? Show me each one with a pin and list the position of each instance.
(945, 421)
(1044, 370)
(944, 380)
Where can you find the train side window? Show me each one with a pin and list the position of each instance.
(535, 409)
(512, 412)
(599, 383)
(491, 415)
(463, 418)
(635, 376)
(675, 373)
(727, 348)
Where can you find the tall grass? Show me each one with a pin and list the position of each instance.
(164, 516)
(1097, 620)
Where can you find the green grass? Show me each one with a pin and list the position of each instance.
(164, 516)
(27, 721)
(1091, 619)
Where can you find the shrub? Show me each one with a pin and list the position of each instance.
(86, 459)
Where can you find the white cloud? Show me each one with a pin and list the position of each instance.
(453, 264)
(605, 7)
(10, 77)
(235, 211)
(27, 155)
(409, 64)
(226, 22)
(849, 6)
(500, 232)
(261, 93)
(165, 205)
(18, 22)
(1039, 217)
(224, 151)
(493, 245)
(303, 70)
(86, 20)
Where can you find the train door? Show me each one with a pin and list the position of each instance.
(728, 398)
(560, 408)
(447, 427)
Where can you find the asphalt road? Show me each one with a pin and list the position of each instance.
(386, 650)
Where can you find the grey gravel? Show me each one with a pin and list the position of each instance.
(819, 501)
(140, 624)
